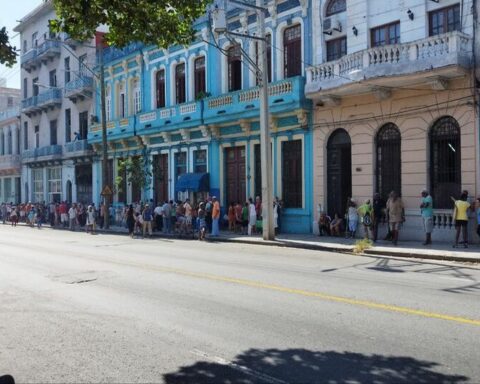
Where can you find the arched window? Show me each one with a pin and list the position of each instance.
(199, 76)
(445, 162)
(160, 88)
(336, 6)
(234, 55)
(180, 91)
(389, 166)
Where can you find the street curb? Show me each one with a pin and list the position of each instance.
(300, 245)
(367, 252)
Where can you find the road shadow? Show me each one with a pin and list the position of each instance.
(277, 366)
(7, 379)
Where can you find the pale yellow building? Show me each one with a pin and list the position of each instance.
(395, 101)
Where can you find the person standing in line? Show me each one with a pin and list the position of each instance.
(477, 215)
(215, 217)
(147, 220)
(90, 222)
(130, 220)
(202, 225)
(426, 209)
(352, 219)
(395, 215)
(252, 217)
(245, 218)
(208, 214)
(167, 219)
(460, 216)
(72, 216)
(158, 215)
(378, 206)
(365, 211)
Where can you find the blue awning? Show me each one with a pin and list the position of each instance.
(196, 182)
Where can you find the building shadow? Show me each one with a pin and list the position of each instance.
(277, 366)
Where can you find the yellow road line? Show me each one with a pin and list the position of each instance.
(318, 295)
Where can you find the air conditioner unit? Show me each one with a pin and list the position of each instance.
(219, 20)
(331, 24)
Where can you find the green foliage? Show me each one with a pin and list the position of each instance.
(362, 245)
(160, 22)
(136, 171)
(8, 54)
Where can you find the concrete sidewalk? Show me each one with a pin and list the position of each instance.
(437, 251)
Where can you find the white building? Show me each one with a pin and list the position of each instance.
(394, 91)
(10, 166)
(55, 111)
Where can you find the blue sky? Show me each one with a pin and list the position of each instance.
(11, 12)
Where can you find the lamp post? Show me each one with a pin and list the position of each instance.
(220, 26)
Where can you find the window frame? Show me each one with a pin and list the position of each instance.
(387, 40)
(443, 12)
(180, 84)
(332, 3)
(234, 64)
(337, 42)
(199, 76)
(160, 89)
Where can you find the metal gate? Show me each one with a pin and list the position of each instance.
(339, 172)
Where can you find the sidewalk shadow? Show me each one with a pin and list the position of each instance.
(277, 366)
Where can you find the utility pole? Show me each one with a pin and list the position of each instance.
(106, 189)
(265, 147)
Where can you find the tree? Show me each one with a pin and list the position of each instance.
(8, 54)
(152, 22)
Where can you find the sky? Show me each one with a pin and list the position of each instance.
(10, 12)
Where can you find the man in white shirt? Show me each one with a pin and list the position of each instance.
(72, 216)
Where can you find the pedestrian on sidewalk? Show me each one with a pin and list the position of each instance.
(252, 217)
(460, 216)
(426, 209)
(202, 225)
(477, 215)
(90, 220)
(72, 217)
(245, 218)
(215, 217)
(324, 222)
(365, 211)
(378, 205)
(395, 215)
(130, 220)
(352, 219)
(167, 216)
(147, 220)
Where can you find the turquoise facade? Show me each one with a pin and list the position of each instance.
(217, 121)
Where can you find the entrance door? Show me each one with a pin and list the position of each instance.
(339, 172)
(84, 183)
(69, 191)
(161, 178)
(235, 174)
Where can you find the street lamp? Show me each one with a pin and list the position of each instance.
(265, 148)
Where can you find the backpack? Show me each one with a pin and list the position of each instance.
(367, 219)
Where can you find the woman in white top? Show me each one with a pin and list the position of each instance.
(90, 220)
(252, 217)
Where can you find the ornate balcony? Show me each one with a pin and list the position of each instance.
(29, 60)
(49, 152)
(50, 98)
(80, 88)
(48, 50)
(10, 113)
(10, 165)
(78, 148)
(433, 60)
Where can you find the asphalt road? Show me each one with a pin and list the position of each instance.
(79, 308)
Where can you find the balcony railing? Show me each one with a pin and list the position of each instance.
(50, 97)
(29, 56)
(49, 150)
(48, 49)
(77, 146)
(9, 113)
(9, 162)
(83, 85)
(432, 52)
(112, 53)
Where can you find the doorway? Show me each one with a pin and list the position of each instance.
(160, 166)
(339, 172)
(235, 175)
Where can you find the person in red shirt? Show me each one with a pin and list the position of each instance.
(215, 217)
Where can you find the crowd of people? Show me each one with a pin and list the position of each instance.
(142, 219)
(375, 211)
(204, 217)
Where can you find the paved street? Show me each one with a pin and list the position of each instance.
(106, 308)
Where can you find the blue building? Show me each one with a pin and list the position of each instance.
(195, 109)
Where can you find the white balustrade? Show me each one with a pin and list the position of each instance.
(185, 109)
(220, 101)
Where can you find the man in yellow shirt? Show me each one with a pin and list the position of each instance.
(460, 215)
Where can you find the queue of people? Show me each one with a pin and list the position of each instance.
(373, 212)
